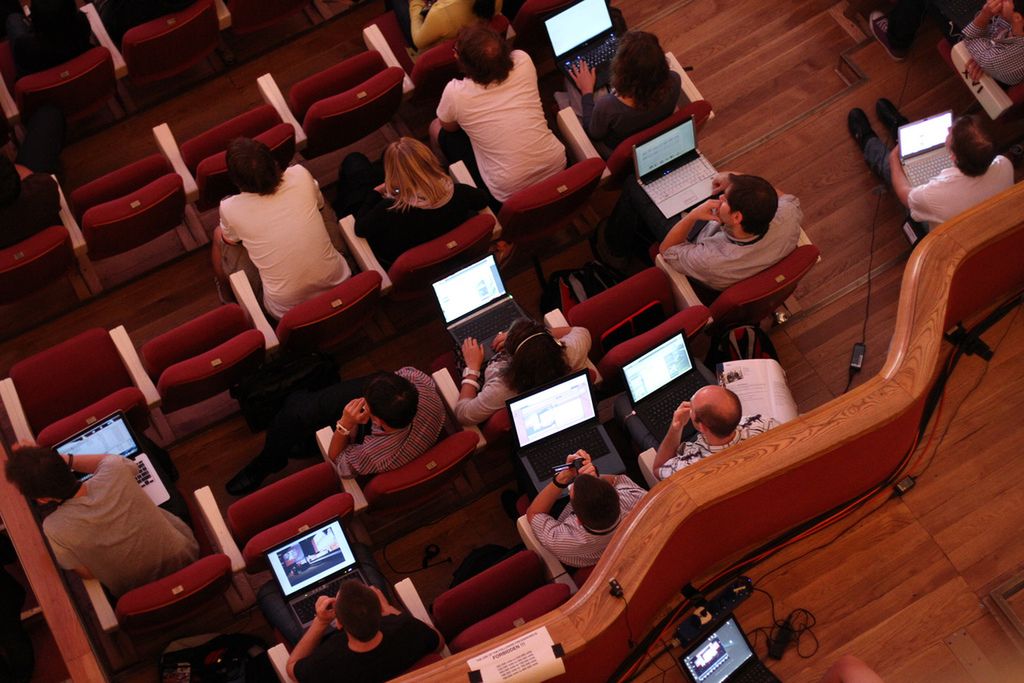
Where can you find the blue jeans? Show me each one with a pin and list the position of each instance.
(876, 153)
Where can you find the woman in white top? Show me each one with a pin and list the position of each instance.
(528, 356)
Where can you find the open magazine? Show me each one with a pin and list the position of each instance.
(761, 386)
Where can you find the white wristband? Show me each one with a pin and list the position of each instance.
(472, 383)
(466, 372)
(342, 428)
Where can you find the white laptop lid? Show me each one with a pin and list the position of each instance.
(576, 25)
(662, 150)
(718, 656)
(657, 367)
(924, 135)
(468, 289)
(317, 554)
(109, 435)
(561, 406)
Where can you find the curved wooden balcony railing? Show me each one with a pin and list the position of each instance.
(767, 485)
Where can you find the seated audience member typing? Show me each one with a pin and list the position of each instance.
(597, 504)
(977, 172)
(749, 228)
(493, 119)
(120, 15)
(528, 356)
(276, 226)
(995, 40)
(414, 202)
(717, 416)
(105, 527)
(29, 200)
(373, 641)
(55, 33)
(381, 422)
(644, 91)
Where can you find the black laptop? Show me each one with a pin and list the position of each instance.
(658, 381)
(584, 33)
(724, 655)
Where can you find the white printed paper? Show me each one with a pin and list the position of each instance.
(525, 659)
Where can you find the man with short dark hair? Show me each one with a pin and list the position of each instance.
(977, 172)
(597, 505)
(750, 227)
(717, 416)
(374, 641)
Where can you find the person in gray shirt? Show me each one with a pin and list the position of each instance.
(750, 227)
(106, 527)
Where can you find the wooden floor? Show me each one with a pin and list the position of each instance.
(894, 589)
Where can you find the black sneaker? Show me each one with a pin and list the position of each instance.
(890, 117)
(879, 23)
(252, 475)
(860, 127)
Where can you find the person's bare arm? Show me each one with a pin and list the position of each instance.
(356, 413)
(545, 500)
(900, 184)
(314, 634)
(450, 126)
(473, 354)
(85, 463)
(670, 444)
(708, 211)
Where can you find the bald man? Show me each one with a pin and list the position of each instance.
(717, 416)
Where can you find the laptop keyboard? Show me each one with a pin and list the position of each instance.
(555, 451)
(756, 672)
(920, 171)
(305, 609)
(489, 323)
(657, 412)
(143, 476)
(596, 55)
(678, 180)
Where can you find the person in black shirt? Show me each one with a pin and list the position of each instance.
(29, 199)
(374, 641)
(56, 32)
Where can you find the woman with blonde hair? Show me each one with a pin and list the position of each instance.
(415, 203)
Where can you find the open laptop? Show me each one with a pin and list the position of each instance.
(724, 655)
(658, 381)
(556, 420)
(114, 435)
(474, 303)
(670, 169)
(311, 564)
(923, 150)
(583, 32)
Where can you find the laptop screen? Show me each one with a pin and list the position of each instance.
(307, 559)
(468, 289)
(665, 148)
(560, 406)
(719, 655)
(110, 435)
(657, 367)
(577, 25)
(926, 134)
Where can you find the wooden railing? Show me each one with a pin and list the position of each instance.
(698, 519)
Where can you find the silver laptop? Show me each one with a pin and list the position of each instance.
(923, 150)
(583, 32)
(311, 564)
(673, 173)
(113, 434)
(723, 656)
(556, 420)
(658, 381)
(474, 303)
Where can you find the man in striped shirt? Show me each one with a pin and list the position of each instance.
(716, 414)
(598, 503)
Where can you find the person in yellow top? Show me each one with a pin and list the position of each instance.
(428, 22)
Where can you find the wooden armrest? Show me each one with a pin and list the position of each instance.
(272, 95)
(410, 597)
(646, 462)
(100, 31)
(373, 39)
(215, 525)
(8, 105)
(15, 412)
(247, 300)
(556, 318)
(450, 395)
(362, 253)
(580, 146)
(100, 605)
(68, 220)
(223, 15)
(169, 148)
(461, 174)
(131, 360)
(279, 660)
(990, 95)
(553, 568)
(350, 486)
(682, 290)
(689, 89)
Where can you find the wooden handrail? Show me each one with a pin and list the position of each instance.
(962, 269)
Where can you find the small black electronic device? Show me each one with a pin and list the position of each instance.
(574, 465)
(857, 356)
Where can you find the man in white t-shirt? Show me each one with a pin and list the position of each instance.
(493, 119)
(277, 220)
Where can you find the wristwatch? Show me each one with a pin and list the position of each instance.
(342, 428)
(466, 372)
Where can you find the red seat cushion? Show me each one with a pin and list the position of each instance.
(407, 485)
(171, 44)
(415, 270)
(117, 184)
(78, 87)
(546, 205)
(536, 604)
(34, 263)
(208, 374)
(337, 505)
(329, 318)
(136, 218)
(193, 338)
(130, 400)
(174, 596)
(216, 140)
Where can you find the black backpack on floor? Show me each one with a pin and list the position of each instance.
(566, 288)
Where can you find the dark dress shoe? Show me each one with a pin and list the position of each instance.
(860, 127)
(252, 475)
(890, 117)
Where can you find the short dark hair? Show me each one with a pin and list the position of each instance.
(392, 398)
(972, 147)
(483, 55)
(357, 609)
(721, 420)
(252, 167)
(535, 362)
(639, 69)
(10, 182)
(596, 502)
(755, 198)
(484, 9)
(41, 473)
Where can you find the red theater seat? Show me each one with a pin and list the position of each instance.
(621, 160)
(329, 318)
(33, 263)
(172, 44)
(252, 15)
(78, 87)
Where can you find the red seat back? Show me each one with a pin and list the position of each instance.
(433, 69)
(157, 604)
(136, 218)
(34, 263)
(171, 44)
(393, 36)
(621, 160)
(411, 484)
(78, 87)
(413, 271)
(329, 318)
(252, 15)
(548, 205)
(117, 184)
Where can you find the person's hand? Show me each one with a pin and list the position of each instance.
(974, 71)
(1016, 20)
(579, 455)
(584, 77)
(381, 189)
(708, 211)
(720, 182)
(473, 354)
(499, 341)
(325, 609)
(681, 415)
(385, 606)
(356, 413)
(991, 8)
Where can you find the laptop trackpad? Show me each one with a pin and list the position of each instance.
(683, 201)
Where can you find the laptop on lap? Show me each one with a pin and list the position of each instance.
(556, 420)
(311, 564)
(923, 152)
(658, 381)
(583, 32)
(724, 656)
(670, 169)
(114, 435)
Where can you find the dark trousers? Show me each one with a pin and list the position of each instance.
(44, 138)
(401, 10)
(458, 147)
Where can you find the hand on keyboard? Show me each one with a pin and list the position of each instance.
(473, 355)
(584, 76)
(325, 609)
